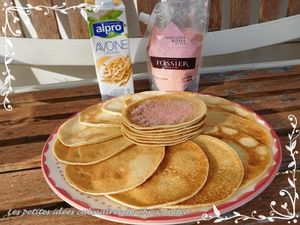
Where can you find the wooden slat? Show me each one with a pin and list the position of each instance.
(45, 25)
(279, 121)
(28, 188)
(14, 26)
(51, 95)
(254, 88)
(293, 7)
(240, 13)
(269, 10)
(28, 132)
(27, 113)
(215, 18)
(20, 157)
(272, 103)
(72, 93)
(248, 75)
(77, 23)
(145, 6)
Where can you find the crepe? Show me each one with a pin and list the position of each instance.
(195, 124)
(163, 120)
(120, 173)
(74, 134)
(163, 133)
(165, 138)
(257, 132)
(89, 154)
(115, 105)
(142, 95)
(161, 143)
(238, 128)
(218, 103)
(182, 174)
(224, 177)
(96, 117)
(164, 111)
(256, 160)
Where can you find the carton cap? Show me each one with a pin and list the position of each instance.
(144, 17)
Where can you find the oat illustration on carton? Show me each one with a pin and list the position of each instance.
(109, 37)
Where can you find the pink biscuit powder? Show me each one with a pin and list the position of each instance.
(167, 112)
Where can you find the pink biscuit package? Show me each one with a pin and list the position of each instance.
(176, 31)
(170, 72)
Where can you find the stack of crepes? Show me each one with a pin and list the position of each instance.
(163, 120)
(189, 171)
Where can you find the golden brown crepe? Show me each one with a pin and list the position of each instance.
(215, 119)
(115, 105)
(163, 120)
(190, 109)
(142, 95)
(225, 173)
(213, 102)
(74, 134)
(119, 173)
(256, 159)
(96, 117)
(163, 131)
(89, 154)
(218, 103)
(163, 134)
(182, 173)
(165, 138)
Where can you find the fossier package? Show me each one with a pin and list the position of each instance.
(110, 44)
(175, 34)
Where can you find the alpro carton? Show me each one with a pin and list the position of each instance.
(110, 44)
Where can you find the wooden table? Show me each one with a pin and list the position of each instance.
(273, 93)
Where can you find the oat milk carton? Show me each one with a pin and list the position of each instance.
(109, 37)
